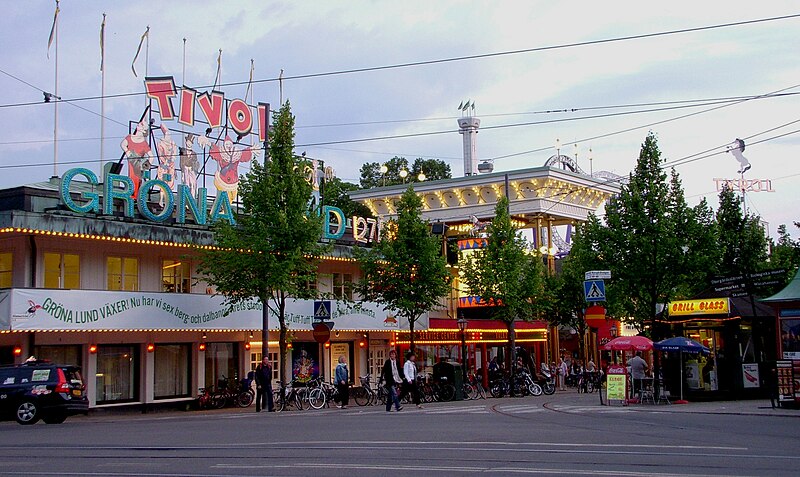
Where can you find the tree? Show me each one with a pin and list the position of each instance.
(335, 193)
(647, 244)
(371, 176)
(434, 169)
(405, 271)
(786, 252)
(741, 238)
(566, 297)
(506, 276)
(273, 251)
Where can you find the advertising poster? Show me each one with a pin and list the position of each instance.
(750, 377)
(340, 349)
(305, 362)
(785, 381)
(790, 338)
(615, 383)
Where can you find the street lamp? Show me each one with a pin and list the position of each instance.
(462, 326)
(384, 170)
(421, 177)
(403, 175)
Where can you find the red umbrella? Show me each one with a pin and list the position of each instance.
(629, 343)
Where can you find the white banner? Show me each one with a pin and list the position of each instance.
(84, 310)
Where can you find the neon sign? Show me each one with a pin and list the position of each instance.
(120, 188)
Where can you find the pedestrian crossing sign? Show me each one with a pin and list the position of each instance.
(594, 290)
(322, 310)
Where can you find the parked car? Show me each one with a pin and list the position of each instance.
(41, 390)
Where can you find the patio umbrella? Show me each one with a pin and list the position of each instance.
(682, 345)
(629, 343)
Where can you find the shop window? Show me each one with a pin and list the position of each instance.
(117, 369)
(176, 276)
(68, 354)
(6, 260)
(343, 286)
(221, 362)
(62, 270)
(122, 273)
(172, 370)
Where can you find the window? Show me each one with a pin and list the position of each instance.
(255, 360)
(176, 276)
(67, 354)
(117, 368)
(343, 285)
(62, 270)
(221, 362)
(172, 371)
(6, 260)
(122, 273)
(311, 285)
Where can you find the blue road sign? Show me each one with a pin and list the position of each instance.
(594, 290)
(322, 310)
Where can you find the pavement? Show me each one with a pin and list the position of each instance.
(568, 402)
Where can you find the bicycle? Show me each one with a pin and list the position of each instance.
(233, 392)
(363, 394)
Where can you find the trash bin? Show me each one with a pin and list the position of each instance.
(451, 372)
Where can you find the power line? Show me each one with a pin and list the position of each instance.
(622, 131)
(462, 58)
(70, 102)
(685, 102)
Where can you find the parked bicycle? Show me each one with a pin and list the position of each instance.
(233, 392)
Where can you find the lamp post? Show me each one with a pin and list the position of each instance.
(462, 327)
(403, 175)
(384, 170)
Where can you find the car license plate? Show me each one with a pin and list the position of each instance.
(76, 392)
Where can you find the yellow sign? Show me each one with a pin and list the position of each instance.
(705, 306)
(615, 384)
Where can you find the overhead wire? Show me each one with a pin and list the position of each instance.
(460, 58)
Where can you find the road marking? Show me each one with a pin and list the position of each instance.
(424, 468)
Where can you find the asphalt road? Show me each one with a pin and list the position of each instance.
(548, 435)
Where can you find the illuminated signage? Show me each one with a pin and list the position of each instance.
(120, 188)
(705, 306)
(745, 185)
(335, 223)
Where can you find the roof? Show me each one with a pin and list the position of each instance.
(790, 292)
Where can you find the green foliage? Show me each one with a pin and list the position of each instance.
(649, 246)
(505, 275)
(272, 253)
(405, 271)
(741, 237)
(371, 176)
(335, 193)
(786, 252)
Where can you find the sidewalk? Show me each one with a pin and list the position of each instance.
(750, 407)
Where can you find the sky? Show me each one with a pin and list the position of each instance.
(339, 116)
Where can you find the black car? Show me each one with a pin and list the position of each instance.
(41, 390)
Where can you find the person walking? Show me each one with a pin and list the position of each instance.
(264, 386)
(410, 379)
(563, 371)
(342, 382)
(392, 378)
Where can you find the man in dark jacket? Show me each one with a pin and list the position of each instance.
(392, 377)
(264, 386)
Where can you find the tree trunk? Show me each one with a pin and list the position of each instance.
(411, 323)
(282, 344)
(264, 328)
(512, 352)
